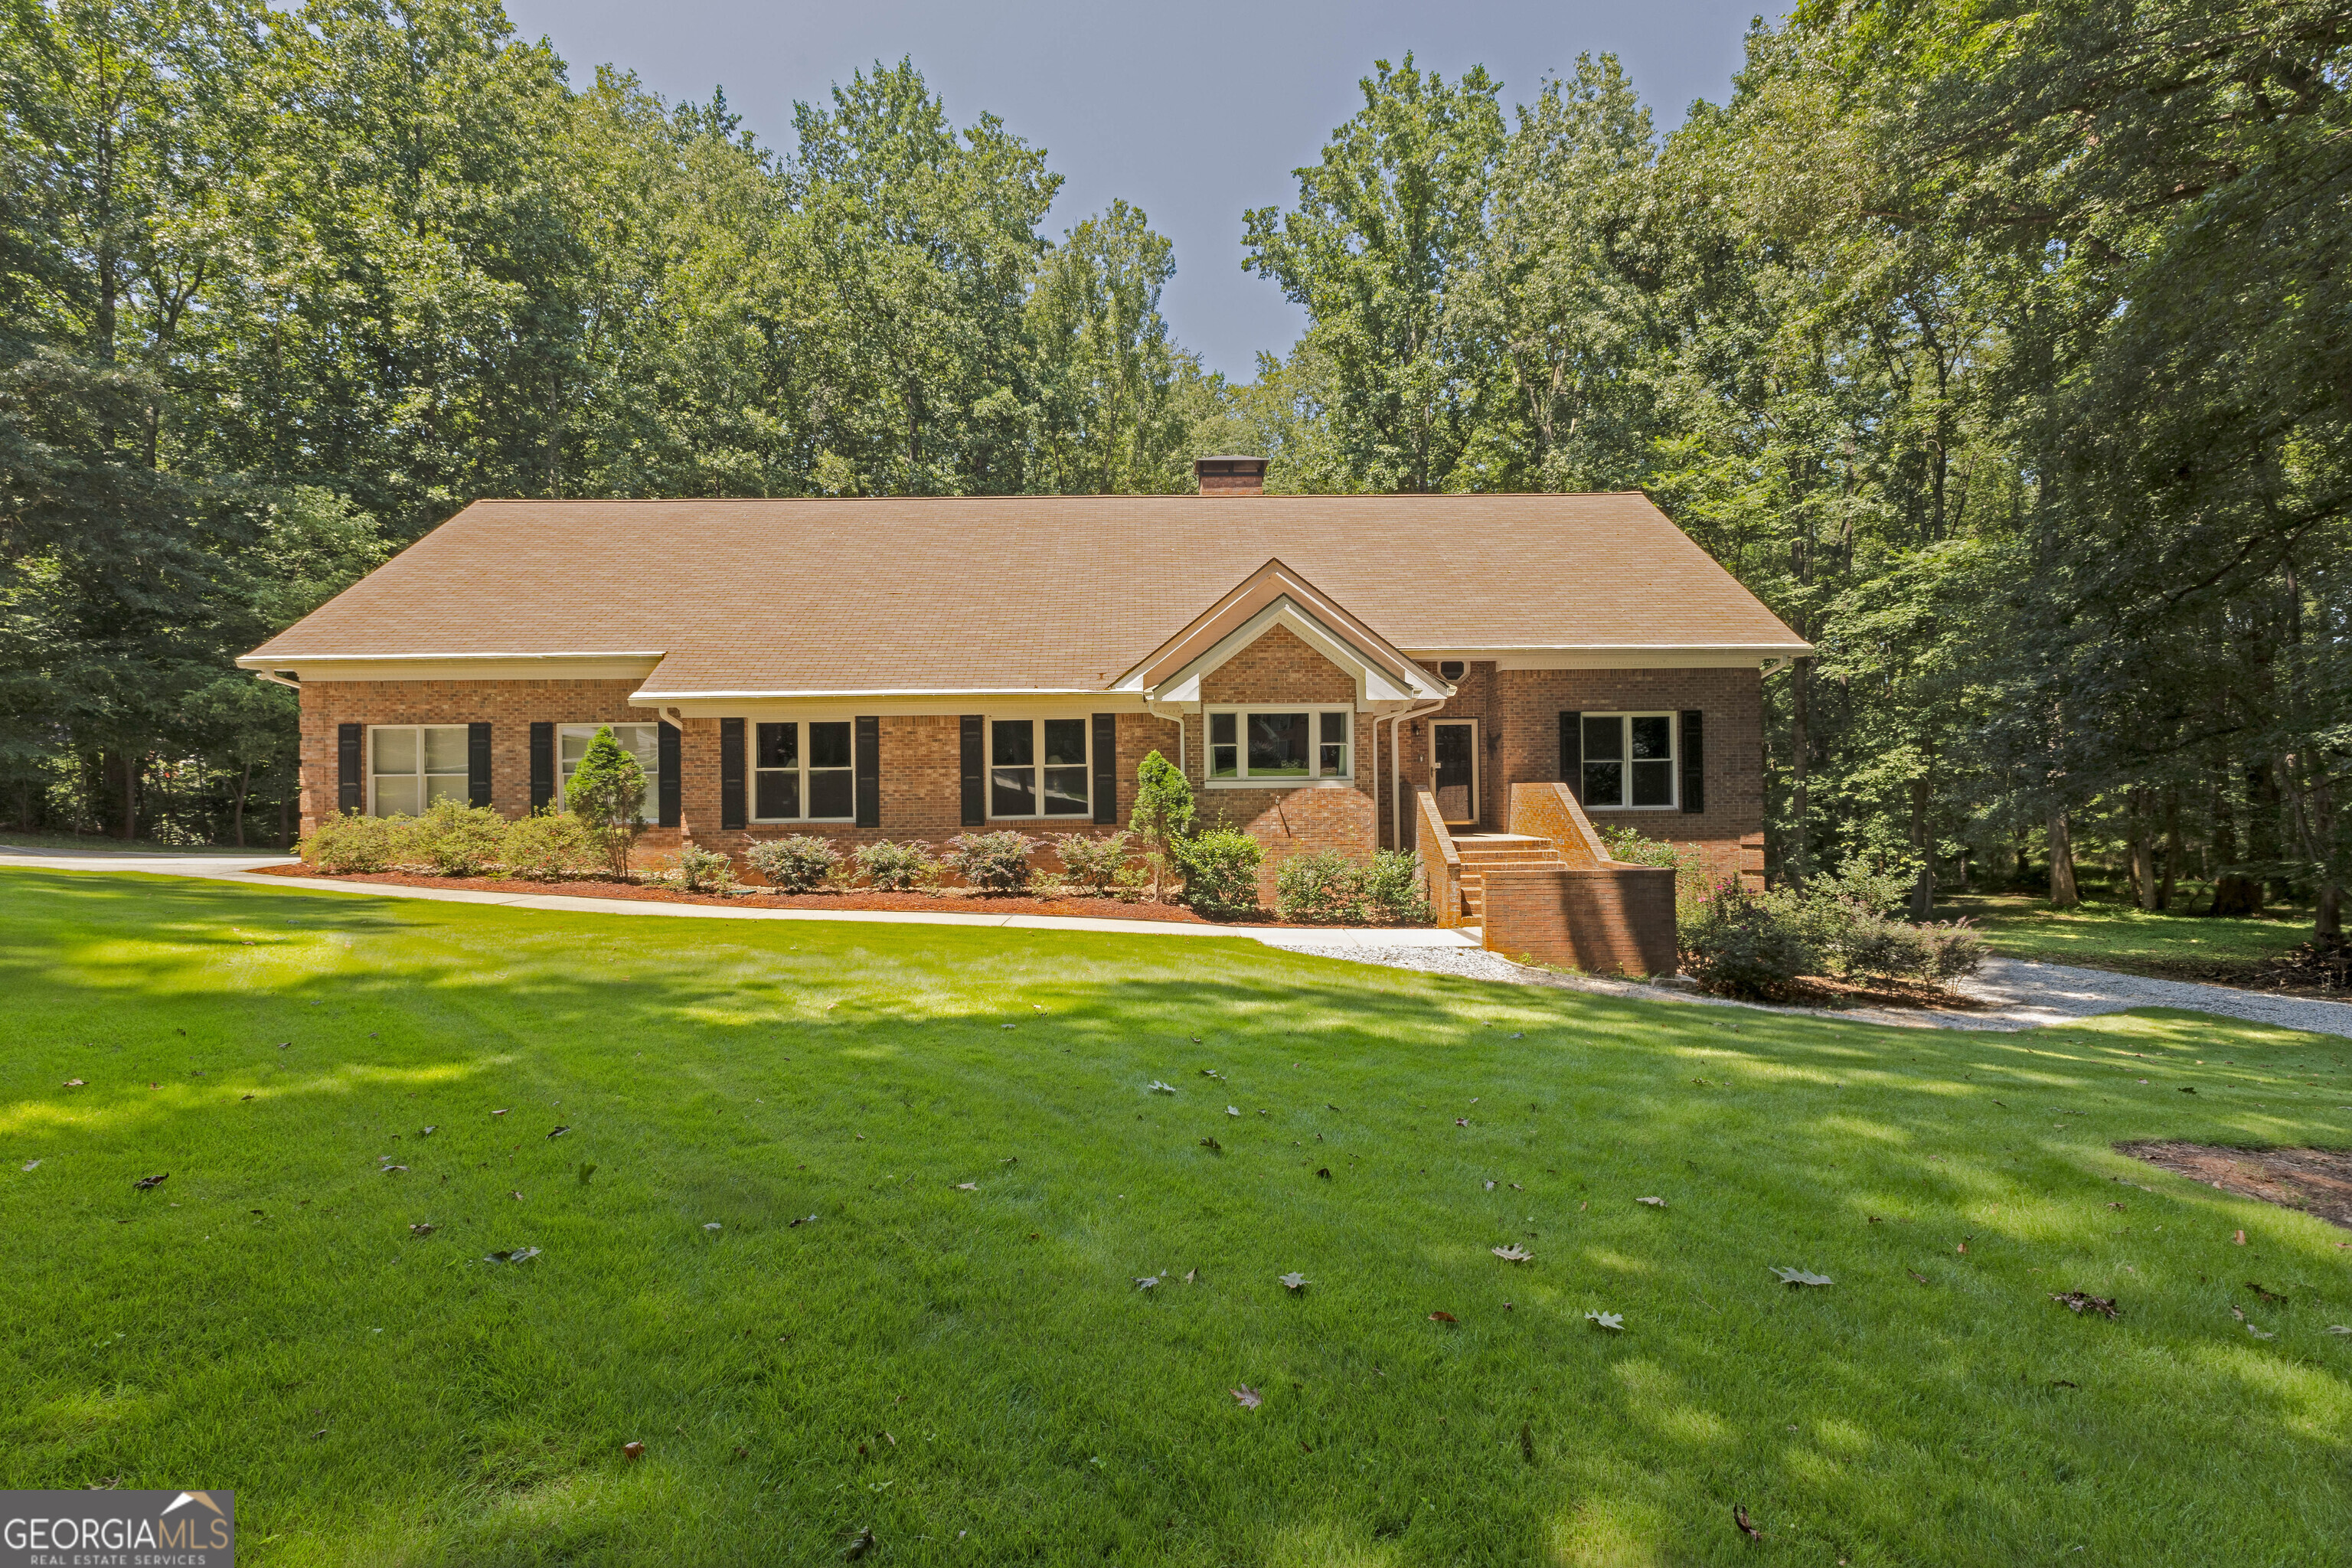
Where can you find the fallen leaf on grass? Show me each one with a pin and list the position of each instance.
(2337, 1329)
(2259, 1334)
(1443, 1318)
(1739, 1517)
(1511, 1254)
(1190, 1275)
(2239, 1240)
(810, 1219)
(517, 1196)
(1211, 1072)
(634, 1450)
(1654, 1202)
(1156, 1086)
(149, 1184)
(1294, 1282)
(242, 1097)
(30, 1163)
(426, 1132)
(1796, 1276)
(1247, 1397)
(1150, 1281)
(2079, 1301)
(1231, 1110)
(1324, 1172)
(587, 1171)
(422, 1229)
(513, 1254)
(967, 1187)
(1461, 1121)
(711, 1225)
(1527, 1444)
(1917, 1275)
(74, 1083)
(1612, 1321)
(388, 1170)
(558, 1133)
(1213, 1146)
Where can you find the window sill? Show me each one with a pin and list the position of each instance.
(1593, 809)
(1279, 784)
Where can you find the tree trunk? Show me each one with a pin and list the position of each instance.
(286, 818)
(2143, 852)
(237, 809)
(1923, 887)
(1796, 862)
(2171, 848)
(2063, 892)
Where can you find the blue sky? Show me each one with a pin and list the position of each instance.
(1193, 113)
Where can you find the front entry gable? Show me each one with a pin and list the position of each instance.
(1274, 595)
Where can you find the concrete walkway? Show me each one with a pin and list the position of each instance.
(242, 869)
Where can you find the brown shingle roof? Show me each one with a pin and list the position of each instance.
(1017, 593)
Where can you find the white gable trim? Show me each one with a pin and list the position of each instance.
(1374, 681)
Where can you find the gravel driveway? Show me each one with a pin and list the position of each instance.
(2020, 994)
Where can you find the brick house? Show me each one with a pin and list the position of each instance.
(1479, 678)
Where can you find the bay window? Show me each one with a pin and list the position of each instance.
(803, 772)
(1629, 759)
(1037, 767)
(1280, 745)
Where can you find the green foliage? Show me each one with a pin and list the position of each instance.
(1392, 891)
(1162, 813)
(347, 841)
(606, 792)
(796, 863)
(898, 866)
(1321, 887)
(696, 870)
(549, 845)
(992, 862)
(1092, 865)
(1739, 943)
(454, 839)
(1220, 867)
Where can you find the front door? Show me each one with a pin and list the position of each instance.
(1453, 755)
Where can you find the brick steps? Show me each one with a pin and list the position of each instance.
(1486, 852)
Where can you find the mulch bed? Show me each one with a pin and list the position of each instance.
(1822, 991)
(947, 900)
(2317, 1180)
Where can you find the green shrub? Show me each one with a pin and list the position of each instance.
(1739, 943)
(547, 846)
(992, 862)
(796, 864)
(1163, 815)
(1091, 864)
(454, 839)
(350, 842)
(608, 792)
(899, 867)
(1220, 870)
(1393, 890)
(697, 870)
(1954, 949)
(1321, 887)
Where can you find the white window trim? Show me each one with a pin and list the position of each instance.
(1673, 755)
(1036, 769)
(1245, 780)
(653, 774)
(420, 775)
(752, 770)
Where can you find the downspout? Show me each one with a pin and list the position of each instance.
(1396, 766)
(1183, 738)
(279, 679)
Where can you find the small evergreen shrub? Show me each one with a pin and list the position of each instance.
(992, 862)
(796, 864)
(698, 870)
(608, 792)
(350, 842)
(1392, 891)
(1739, 943)
(1090, 865)
(1322, 887)
(897, 867)
(1163, 815)
(549, 845)
(1220, 870)
(454, 839)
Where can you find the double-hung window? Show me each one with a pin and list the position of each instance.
(802, 772)
(1037, 767)
(642, 742)
(410, 766)
(1629, 759)
(1281, 745)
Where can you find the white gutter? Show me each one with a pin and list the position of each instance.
(1183, 739)
(273, 675)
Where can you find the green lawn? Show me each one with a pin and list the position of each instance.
(2124, 937)
(265, 1320)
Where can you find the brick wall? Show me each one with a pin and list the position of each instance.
(1602, 920)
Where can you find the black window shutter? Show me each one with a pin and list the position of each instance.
(1694, 763)
(976, 796)
(1571, 754)
(669, 784)
(730, 772)
(542, 765)
(478, 764)
(868, 759)
(347, 767)
(1107, 770)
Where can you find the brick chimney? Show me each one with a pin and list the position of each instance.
(1230, 476)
